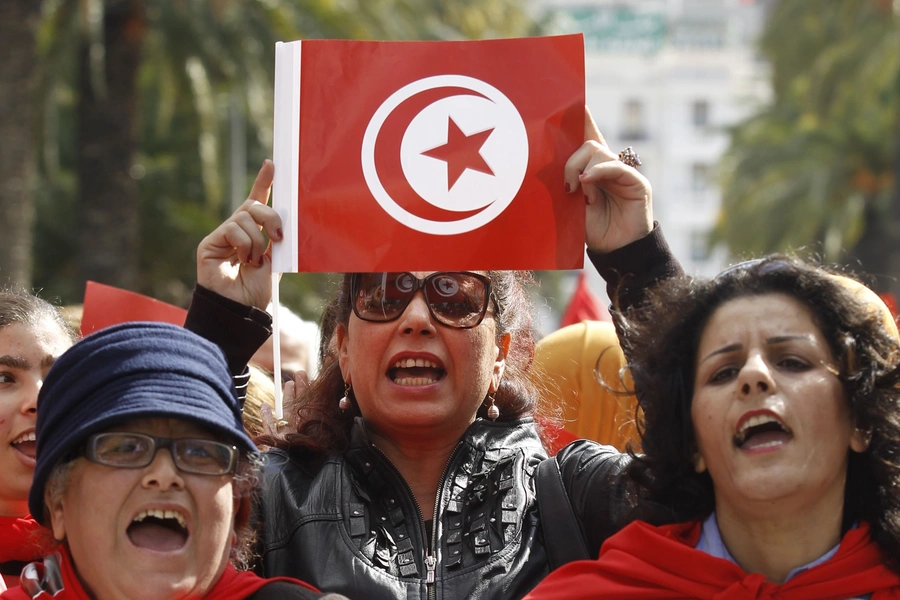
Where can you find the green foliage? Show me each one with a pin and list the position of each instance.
(816, 164)
(206, 77)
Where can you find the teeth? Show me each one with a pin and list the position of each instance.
(758, 420)
(162, 514)
(414, 381)
(407, 363)
(25, 437)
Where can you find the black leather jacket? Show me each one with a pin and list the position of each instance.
(350, 524)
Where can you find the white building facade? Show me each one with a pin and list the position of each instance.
(669, 77)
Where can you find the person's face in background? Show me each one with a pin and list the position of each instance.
(153, 532)
(26, 354)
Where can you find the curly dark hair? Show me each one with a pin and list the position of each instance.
(661, 340)
(324, 428)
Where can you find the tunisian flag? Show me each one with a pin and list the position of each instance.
(414, 156)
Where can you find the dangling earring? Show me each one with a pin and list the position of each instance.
(492, 412)
(344, 403)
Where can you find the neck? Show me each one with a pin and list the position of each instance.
(13, 508)
(420, 462)
(773, 542)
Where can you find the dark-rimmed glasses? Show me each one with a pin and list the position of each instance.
(137, 450)
(454, 298)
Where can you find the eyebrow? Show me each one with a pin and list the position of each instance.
(17, 362)
(778, 339)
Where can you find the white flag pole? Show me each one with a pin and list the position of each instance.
(276, 349)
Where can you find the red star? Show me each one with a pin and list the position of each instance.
(461, 152)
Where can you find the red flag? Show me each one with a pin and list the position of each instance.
(413, 156)
(584, 305)
(105, 305)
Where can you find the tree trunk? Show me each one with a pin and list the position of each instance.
(108, 196)
(18, 103)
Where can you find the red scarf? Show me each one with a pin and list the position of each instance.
(232, 585)
(18, 539)
(19, 543)
(644, 562)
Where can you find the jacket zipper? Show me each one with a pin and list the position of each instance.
(430, 549)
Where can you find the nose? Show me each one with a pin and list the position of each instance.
(29, 399)
(162, 473)
(416, 319)
(755, 377)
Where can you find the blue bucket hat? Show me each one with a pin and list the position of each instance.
(132, 371)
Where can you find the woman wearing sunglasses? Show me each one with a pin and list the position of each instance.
(411, 474)
(769, 466)
(144, 474)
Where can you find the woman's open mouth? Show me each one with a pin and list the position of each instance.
(415, 372)
(762, 431)
(158, 530)
(26, 446)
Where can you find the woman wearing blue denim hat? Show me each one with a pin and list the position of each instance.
(144, 473)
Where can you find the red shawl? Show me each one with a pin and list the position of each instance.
(19, 544)
(644, 562)
(232, 585)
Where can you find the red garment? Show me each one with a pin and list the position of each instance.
(232, 585)
(644, 562)
(19, 543)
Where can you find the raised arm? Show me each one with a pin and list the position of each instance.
(625, 245)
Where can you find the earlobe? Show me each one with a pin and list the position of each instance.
(57, 518)
(342, 339)
(860, 440)
(699, 462)
(500, 361)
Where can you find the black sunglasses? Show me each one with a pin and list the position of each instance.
(454, 298)
(137, 450)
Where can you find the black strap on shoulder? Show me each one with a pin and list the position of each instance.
(562, 535)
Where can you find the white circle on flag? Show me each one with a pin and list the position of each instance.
(505, 152)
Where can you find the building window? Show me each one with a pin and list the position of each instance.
(701, 177)
(700, 113)
(699, 246)
(633, 126)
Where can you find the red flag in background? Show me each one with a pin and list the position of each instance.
(409, 156)
(105, 305)
(584, 305)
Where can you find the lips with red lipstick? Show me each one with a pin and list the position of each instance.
(761, 429)
(416, 371)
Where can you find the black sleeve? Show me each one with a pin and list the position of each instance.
(239, 330)
(594, 477)
(278, 590)
(631, 269)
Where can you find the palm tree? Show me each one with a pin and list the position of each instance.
(817, 167)
(156, 82)
(18, 86)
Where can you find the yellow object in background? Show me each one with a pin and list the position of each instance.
(567, 359)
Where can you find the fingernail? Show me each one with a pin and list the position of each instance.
(279, 233)
(568, 187)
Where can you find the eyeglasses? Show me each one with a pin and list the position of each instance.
(454, 299)
(136, 450)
